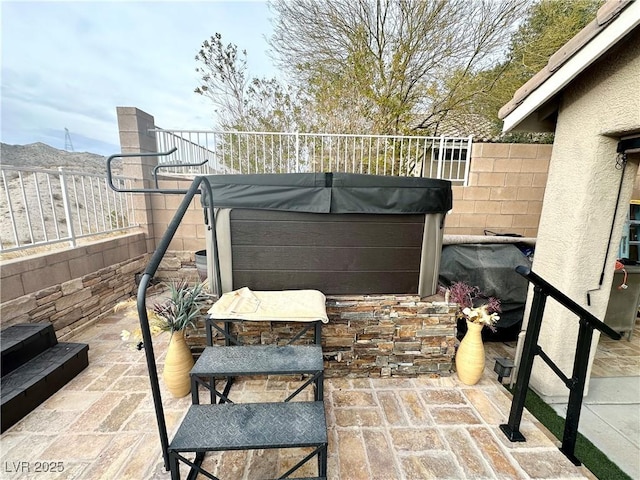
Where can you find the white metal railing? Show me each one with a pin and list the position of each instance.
(42, 207)
(274, 152)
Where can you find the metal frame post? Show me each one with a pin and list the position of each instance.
(512, 428)
(576, 391)
(575, 384)
(170, 464)
(67, 207)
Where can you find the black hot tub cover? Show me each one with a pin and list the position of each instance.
(330, 193)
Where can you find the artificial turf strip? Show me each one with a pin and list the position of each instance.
(592, 458)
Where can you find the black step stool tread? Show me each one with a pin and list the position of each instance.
(259, 359)
(22, 342)
(29, 385)
(248, 426)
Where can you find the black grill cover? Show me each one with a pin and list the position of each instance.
(491, 267)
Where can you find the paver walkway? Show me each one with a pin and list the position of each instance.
(102, 426)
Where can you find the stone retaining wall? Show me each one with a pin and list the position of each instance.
(388, 335)
(73, 304)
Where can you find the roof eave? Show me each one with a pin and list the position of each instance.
(532, 113)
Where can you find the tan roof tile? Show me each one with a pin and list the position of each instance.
(607, 13)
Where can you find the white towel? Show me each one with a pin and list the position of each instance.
(284, 305)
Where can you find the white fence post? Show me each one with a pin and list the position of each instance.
(467, 166)
(67, 207)
(297, 152)
(5, 182)
(440, 157)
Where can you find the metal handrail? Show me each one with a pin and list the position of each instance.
(173, 165)
(567, 302)
(141, 190)
(152, 267)
(575, 384)
(145, 281)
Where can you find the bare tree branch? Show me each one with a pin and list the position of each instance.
(389, 57)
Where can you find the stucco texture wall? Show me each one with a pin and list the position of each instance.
(596, 110)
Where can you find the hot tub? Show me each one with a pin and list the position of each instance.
(335, 232)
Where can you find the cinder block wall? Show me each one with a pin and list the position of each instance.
(504, 195)
(71, 288)
(505, 191)
(190, 236)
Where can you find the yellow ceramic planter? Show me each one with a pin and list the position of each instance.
(470, 355)
(177, 365)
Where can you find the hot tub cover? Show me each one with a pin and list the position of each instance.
(330, 193)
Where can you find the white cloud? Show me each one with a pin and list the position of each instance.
(70, 64)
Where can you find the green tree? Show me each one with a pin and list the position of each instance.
(547, 26)
(223, 78)
(243, 103)
(249, 104)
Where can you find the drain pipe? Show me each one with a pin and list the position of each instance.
(621, 164)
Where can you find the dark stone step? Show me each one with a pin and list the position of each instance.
(29, 385)
(20, 343)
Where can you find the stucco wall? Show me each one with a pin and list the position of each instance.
(598, 108)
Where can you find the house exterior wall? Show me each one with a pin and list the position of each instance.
(596, 110)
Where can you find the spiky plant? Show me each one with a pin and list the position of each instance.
(182, 307)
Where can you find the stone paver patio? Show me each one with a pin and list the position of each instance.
(102, 426)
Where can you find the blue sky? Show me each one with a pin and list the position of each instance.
(70, 64)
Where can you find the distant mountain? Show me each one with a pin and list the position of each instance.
(37, 200)
(40, 155)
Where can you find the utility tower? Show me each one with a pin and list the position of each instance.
(68, 144)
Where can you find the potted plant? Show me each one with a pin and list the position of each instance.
(478, 311)
(179, 312)
(175, 314)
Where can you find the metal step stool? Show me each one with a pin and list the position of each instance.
(228, 362)
(250, 426)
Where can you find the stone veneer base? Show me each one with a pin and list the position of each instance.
(370, 336)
